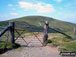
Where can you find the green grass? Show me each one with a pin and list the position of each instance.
(5, 47)
(65, 43)
(48, 41)
(70, 46)
(8, 45)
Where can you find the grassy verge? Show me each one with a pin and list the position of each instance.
(4, 46)
(70, 46)
(64, 43)
(9, 45)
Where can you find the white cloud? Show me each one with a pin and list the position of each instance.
(60, 13)
(60, 8)
(58, 0)
(38, 7)
(13, 9)
(70, 16)
(10, 5)
(14, 14)
(3, 16)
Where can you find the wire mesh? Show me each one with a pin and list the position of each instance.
(5, 36)
(4, 41)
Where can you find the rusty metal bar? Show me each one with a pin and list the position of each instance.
(21, 37)
(20, 29)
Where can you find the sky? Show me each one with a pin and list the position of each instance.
(64, 10)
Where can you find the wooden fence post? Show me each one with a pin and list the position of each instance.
(12, 32)
(46, 26)
(74, 33)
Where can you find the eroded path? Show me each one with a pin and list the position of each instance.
(34, 49)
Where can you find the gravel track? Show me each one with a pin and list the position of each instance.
(34, 49)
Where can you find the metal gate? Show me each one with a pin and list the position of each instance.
(20, 34)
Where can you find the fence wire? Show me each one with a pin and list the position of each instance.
(4, 41)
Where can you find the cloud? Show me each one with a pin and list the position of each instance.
(14, 14)
(70, 16)
(3, 16)
(10, 5)
(58, 0)
(60, 13)
(38, 7)
(13, 9)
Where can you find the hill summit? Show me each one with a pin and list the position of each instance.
(37, 23)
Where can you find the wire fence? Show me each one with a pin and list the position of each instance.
(5, 36)
(4, 41)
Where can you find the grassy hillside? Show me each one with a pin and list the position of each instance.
(37, 23)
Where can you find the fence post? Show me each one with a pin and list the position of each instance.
(12, 32)
(46, 26)
(74, 33)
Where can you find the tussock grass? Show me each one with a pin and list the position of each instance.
(65, 43)
(8, 45)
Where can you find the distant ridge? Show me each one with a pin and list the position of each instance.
(37, 23)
